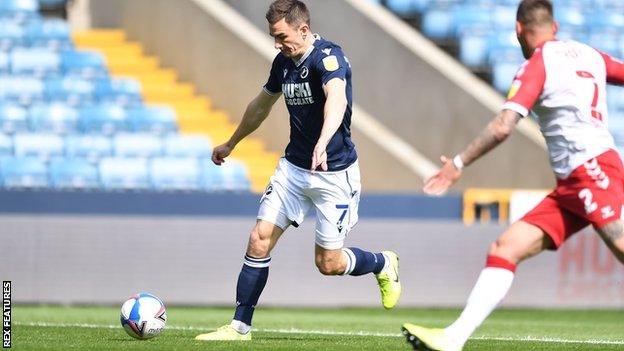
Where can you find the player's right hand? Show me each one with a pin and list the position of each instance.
(220, 152)
(440, 182)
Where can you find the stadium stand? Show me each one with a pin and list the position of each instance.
(170, 106)
(481, 34)
(99, 115)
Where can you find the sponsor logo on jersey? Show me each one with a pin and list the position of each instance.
(297, 93)
(331, 63)
(515, 86)
(285, 72)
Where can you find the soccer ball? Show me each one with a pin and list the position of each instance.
(143, 316)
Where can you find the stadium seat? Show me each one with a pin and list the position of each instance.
(24, 90)
(73, 91)
(469, 17)
(50, 33)
(230, 176)
(11, 35)
(181, 145)
(39, 145)
(89, 147)
(437, 23)
(13, 118)
(56, 118)
(571, 16)
(6, 145)
(120, 91)
(4, 63)
(106, 119)
(605, 19)
(174, 173)
(124, 174)
(615, 98)
(137, 145)
(22, 173)
(504, 17)
(73, 174)
(606, 40)
(503, 73)
(19, 10)
(155, 119)
(407, 8)
(503, 45)
(87, 64)
(473, 48)
(36, 61)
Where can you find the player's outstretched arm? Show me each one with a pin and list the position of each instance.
(256, 112)
(495, 133)
(335, 105)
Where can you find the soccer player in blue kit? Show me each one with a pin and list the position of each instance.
(320, 169)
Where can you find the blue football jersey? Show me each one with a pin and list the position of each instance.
(302, 85)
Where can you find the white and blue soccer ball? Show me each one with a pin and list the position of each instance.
(143, 316)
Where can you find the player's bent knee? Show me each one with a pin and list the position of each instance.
(258, 244)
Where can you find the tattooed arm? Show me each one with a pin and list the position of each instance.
(495, 133)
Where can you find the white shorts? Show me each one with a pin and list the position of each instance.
(335, 196)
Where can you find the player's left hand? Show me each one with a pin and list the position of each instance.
(319, 157)
(439, 183)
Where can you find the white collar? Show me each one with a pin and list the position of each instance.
(309, 51)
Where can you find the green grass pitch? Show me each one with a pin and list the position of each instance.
(98, 328)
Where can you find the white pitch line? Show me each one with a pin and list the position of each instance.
(338, 333)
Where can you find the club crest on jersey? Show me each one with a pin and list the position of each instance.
(304, 72)
(297, 93)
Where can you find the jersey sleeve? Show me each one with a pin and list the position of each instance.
(527, 85)
(332, 64)
(272, 85)
(615, 69)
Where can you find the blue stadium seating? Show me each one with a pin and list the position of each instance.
(89, 147)
(53, 34)
(11, 35)
(73, 91)
(35, 61)
(73, 174)
(6, 145)
(176, 145)
(56, 118)
(106, 119)
(23, 173)
(120, 91)
(124, 174)
(137, 145)
(13, 118)
(155, 119)
(87, 64)
(437, 23)
(66, 124)
(175, 174)
(23, 90)
(231, 176)
(4, 63)
(39, 145)
(19, 10)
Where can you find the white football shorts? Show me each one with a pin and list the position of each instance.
(335, 196)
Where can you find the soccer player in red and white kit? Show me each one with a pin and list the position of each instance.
(563, 83)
